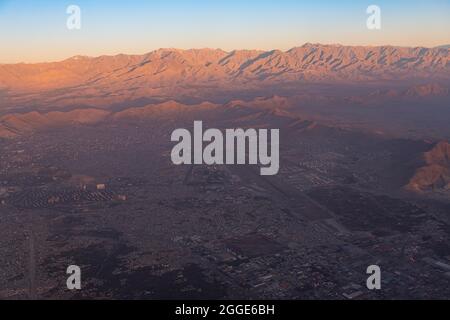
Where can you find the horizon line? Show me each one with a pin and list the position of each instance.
(444, 46)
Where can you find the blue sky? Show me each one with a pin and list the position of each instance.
(35, 30)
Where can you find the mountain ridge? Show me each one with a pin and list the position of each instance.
(21, 124)
(166, 67)
(206, 49)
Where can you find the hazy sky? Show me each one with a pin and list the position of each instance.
(35, 30)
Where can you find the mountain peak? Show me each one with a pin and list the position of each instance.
(78, 58)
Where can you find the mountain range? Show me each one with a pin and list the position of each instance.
(168, 67)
